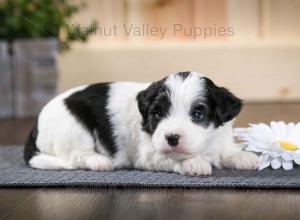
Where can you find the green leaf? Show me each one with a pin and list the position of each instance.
(41, 19)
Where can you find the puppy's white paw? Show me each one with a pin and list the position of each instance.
(242, 161)
(195, 167)
(98, 162)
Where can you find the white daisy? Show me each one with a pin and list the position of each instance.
(278, 144)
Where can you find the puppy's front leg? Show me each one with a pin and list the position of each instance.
(234, 157)
(157, 162)
(195, 167)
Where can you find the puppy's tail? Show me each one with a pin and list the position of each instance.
(30, 148)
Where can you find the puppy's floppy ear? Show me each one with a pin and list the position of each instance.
(145, 98)
(142, 103)
(226, 106)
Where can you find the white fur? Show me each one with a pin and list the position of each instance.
(65, 144)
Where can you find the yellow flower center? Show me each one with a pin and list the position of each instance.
(288, 146)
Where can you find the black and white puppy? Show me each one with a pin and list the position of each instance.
(182, 123)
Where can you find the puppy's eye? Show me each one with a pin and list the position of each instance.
(157, 115)
(197, 115)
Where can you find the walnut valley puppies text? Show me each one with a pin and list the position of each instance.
(159, 32)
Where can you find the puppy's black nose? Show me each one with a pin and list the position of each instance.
(173, 139)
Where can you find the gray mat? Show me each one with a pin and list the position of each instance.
(14, 173)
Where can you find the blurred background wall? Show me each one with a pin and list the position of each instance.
(249, 46)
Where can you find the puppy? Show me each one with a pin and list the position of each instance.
(182, 123)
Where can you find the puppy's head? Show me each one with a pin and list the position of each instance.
(181, 112)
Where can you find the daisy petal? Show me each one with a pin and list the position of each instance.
(287, 165)
(297, 160)
(276, 129)
(289, 131)
(286, 156)
(296, 153)
(265, 161)
(274, 154)
(253, 148)
(276, 163)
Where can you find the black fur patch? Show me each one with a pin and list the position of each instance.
(89, 107)
(223, 105)
(184, 75)
(30, 148)
(153, 102)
